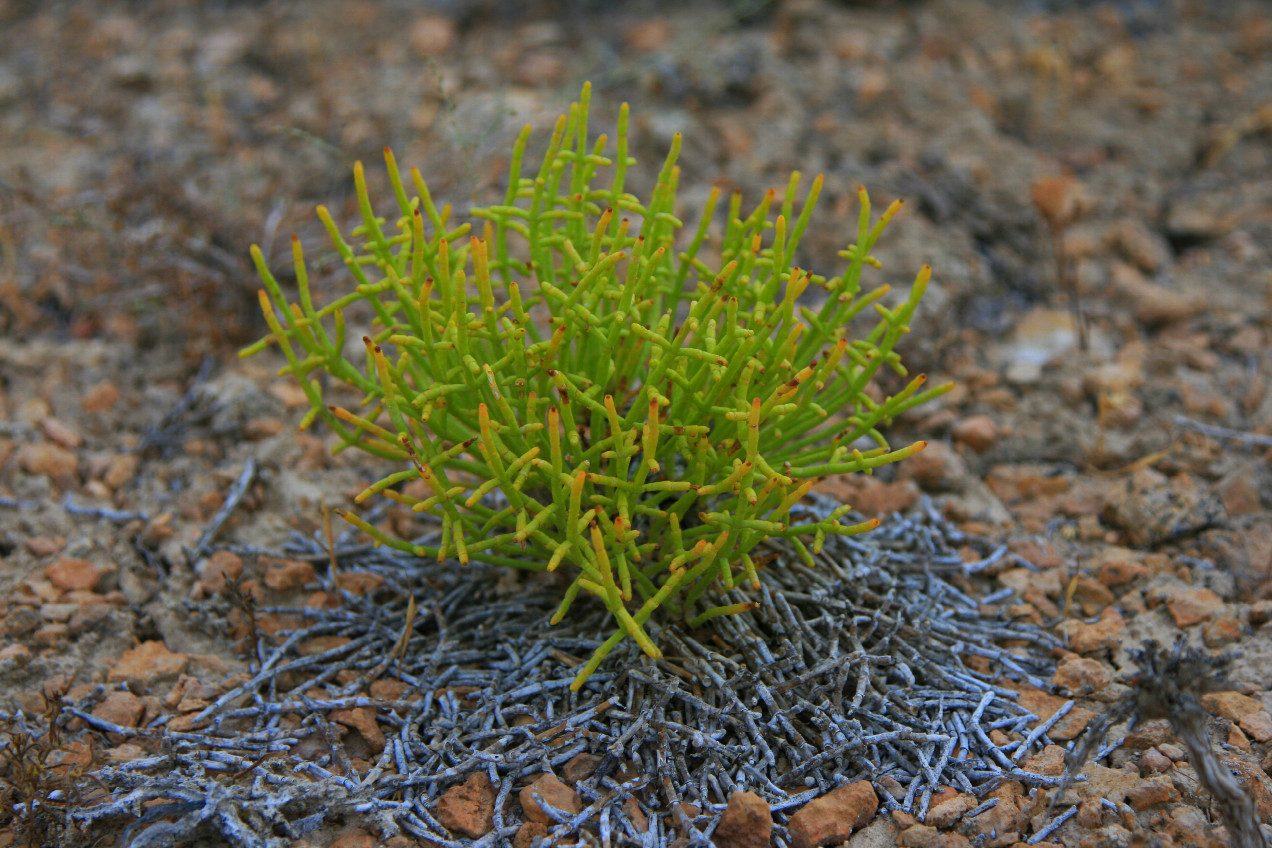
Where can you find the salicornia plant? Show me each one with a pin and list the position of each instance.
(581, 388)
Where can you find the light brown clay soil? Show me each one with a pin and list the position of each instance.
(143, 148)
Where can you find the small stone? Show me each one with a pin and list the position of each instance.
(1000, 824)
(1224, 629)
(880, 833)
(354, 838)
(1149, 734)
(147, 661)
(49, 635)
(14, 656)
(947, 813)
(1239, 492)
(259, 429)
(1044, 705)
(936, 468)
(43, 546)
(1260, 613)
(1090, 814)
(468, 809)
(1081, 676)
(21, 620)
(122, 708)
(1117, 566)
(359, 582)
(1148, 250)
(528, 833)
(217, 569)
(978, 432)
(48, 459)
(1151, 304)
(70, 574)
(1255, 782)
(1152, 790)
(321, 644)
(648, 35)
(1237, 739)
(1061, 200)
(869, 496)
(285, 574)
(632, 808)
(1257, 725)
(1187, 605)
(1104, 633)
(554, 793)
(579, 768)
(747, 822)
(100, 397)
(1151, 508)
(61, 433)
(121, 470)
(125, 753)
(1188, 826)
(362, 719)
(432, 35)
(1042, 336)
(1230, 705)
(389, 690)
(1154, 761)
(1050, 762)
(833, 816)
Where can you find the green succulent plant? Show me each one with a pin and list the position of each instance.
(582, 388)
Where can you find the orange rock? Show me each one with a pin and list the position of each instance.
(979, 432)
(648, 35)
(1081, 676)
(353, 838)
(946, 814)
(214, 571)
(833, 816)
(936, 468)
(71, 574)
(1230, 705)
(321, 644)
(48, 459)
(122, 708)
(554, 793)
(359, 582)
(1152, 790)
(1257, 725)
(121, 470)
(1224, 629)
(431, 35)
(1061, 200)
(1044, 705)
(284, 574)
(100, 397)
(362, 719)
(747, 822)
(468, 809)
(528, 833)
(580, 767)
(1050, 762)
(1105, 632)
(1187, 606)
(146, 662)
(61, 433)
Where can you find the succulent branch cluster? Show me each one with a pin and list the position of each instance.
(581, 389)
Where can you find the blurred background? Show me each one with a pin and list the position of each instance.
(1108, 160)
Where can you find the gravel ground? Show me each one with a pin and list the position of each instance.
(1109, 161)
